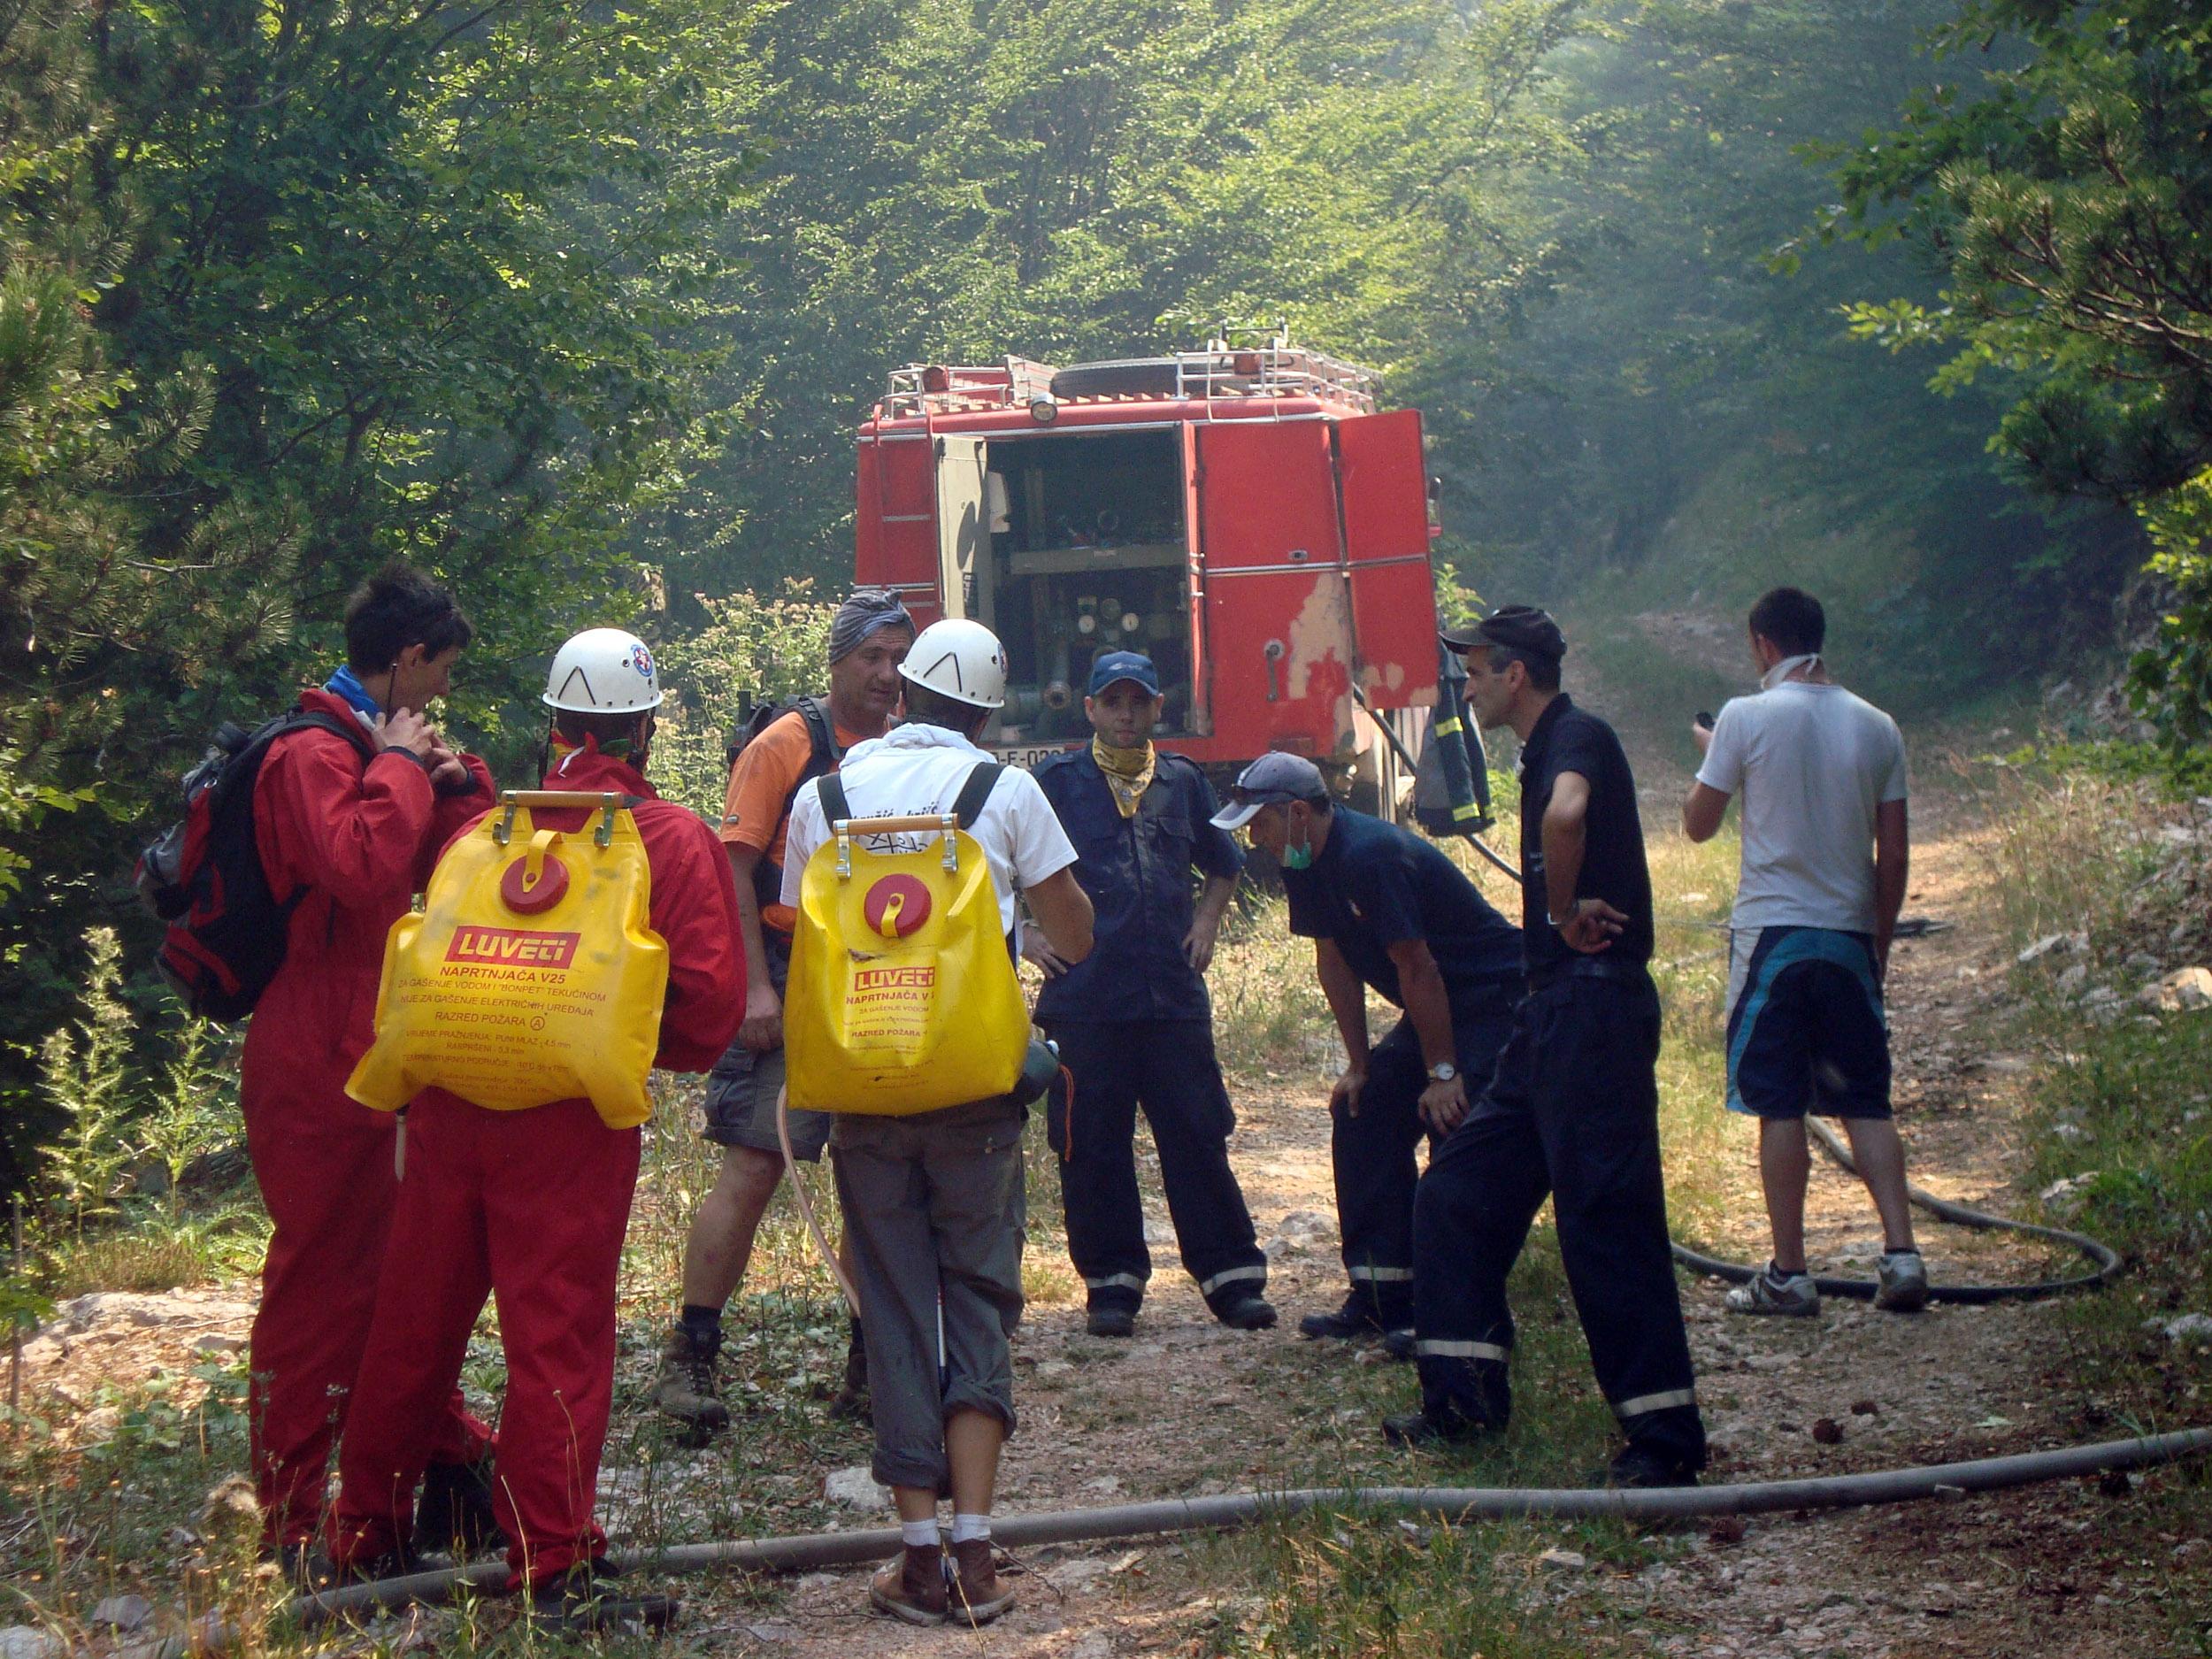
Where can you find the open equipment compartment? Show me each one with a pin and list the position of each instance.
(1083, 549)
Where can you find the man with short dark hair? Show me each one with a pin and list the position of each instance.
(1132, 1023)
(1572, 1111)
(868, 639)
(347, 828)
(1389, 911)
(1823, 776)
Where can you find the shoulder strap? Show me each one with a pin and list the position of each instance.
(815, 712)
(300, 719)
(834, 805)
(968, 805)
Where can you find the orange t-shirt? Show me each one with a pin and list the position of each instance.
(766, 771)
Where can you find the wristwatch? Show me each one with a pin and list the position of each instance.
(1443, 1072)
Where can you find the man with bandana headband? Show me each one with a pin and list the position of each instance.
(1387, 910)
(868, 639)
(1571, 1112)
(1133, 1021)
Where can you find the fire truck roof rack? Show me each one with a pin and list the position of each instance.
(1238, 365)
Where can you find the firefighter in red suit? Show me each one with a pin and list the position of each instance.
(352, 839)
(530, 1206)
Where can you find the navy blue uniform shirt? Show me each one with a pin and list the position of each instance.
(1568, 739)
(1139, 872)
(1375, 885)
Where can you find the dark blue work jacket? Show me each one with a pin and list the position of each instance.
(1139, 874)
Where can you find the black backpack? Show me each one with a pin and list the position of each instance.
(767, 878)
(203, 875)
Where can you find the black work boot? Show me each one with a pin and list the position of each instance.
(1639, 1465)
(684, 1386)
(1112, 1316)
(1250, 1311)
(453, 1515)
(585, 1600)
(1362, 1317)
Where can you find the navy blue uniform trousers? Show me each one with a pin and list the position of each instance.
(1169, 1067)
(1573, 1113)
(1374, 1152)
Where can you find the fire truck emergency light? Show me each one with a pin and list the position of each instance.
(1043, 410)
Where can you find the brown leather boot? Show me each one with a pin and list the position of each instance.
(912, 1587)
(979, 1594)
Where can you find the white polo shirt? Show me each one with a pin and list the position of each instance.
(1813, 762)
(921, 769)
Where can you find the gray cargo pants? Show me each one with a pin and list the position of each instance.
(933, 1203)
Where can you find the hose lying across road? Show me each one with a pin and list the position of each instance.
(1178, 1515)
(2107, 1259)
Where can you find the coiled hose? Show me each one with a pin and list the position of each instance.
(2107, 1259)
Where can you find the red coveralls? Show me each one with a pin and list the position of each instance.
(530, 1206)
(356, 842)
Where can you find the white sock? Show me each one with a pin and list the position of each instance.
(965, 1528)
(919, 1535)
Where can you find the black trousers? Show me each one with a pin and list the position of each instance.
(1374, 1153)
(1168, 1067)
(1572, 1112)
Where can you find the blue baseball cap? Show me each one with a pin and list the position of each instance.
(1123, 665)
(1273, 780)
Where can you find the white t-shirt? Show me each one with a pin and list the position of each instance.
(1813, 762)
(922, 768)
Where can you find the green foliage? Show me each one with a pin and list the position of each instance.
(2065, 191)
(84, 1070)
(753, 650)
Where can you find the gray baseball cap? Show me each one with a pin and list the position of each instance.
(1270, 780)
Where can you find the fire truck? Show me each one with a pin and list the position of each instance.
(1245, 515)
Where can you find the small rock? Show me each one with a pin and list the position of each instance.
(1564, 1560)
(2045, 946)
(1105, 1486)
(2063, 1196)
(99, 1425)
(1828, 1432)
(216, 1342)
(2190, 1327)
(856, 1488)
(2183, 991)
(27, 1642)
(1157, 1231)
(2072, 979)
(123, 1612)
(1725, 1530)
(771, 1631)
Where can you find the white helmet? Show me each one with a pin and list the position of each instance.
(959, 659)
(604, 670)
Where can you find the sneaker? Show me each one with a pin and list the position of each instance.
(851, 1403)
(453, 1515)
(1791, 1295)
(583, 1601)
(1400, 1344)
(1110, 1318)
(979, 1594)
(1355, 1320)
(1249, 1313)
(1425, 1428)
(685, 1387)
(1903, 1278)
(1637, 1467)
(912, 1587)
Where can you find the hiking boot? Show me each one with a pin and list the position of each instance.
(1792, 1295)
(851, 1403)
(1253, 1312)
(1355, 1320)
(583, 1600)
(684, 1389)
(1110, 1318)
(1400, 1344)
(1903, 1277)
(1638, 1467)
(453, 1515)
(310, 1570)
(979, 1594)
(912, 1587)
(1431, 1428)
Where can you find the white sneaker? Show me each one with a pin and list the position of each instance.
(1791, 1295)
(1903, 1276)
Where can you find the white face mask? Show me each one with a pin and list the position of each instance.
(1784, 669)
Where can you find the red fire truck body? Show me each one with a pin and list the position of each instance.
(1246, 518)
